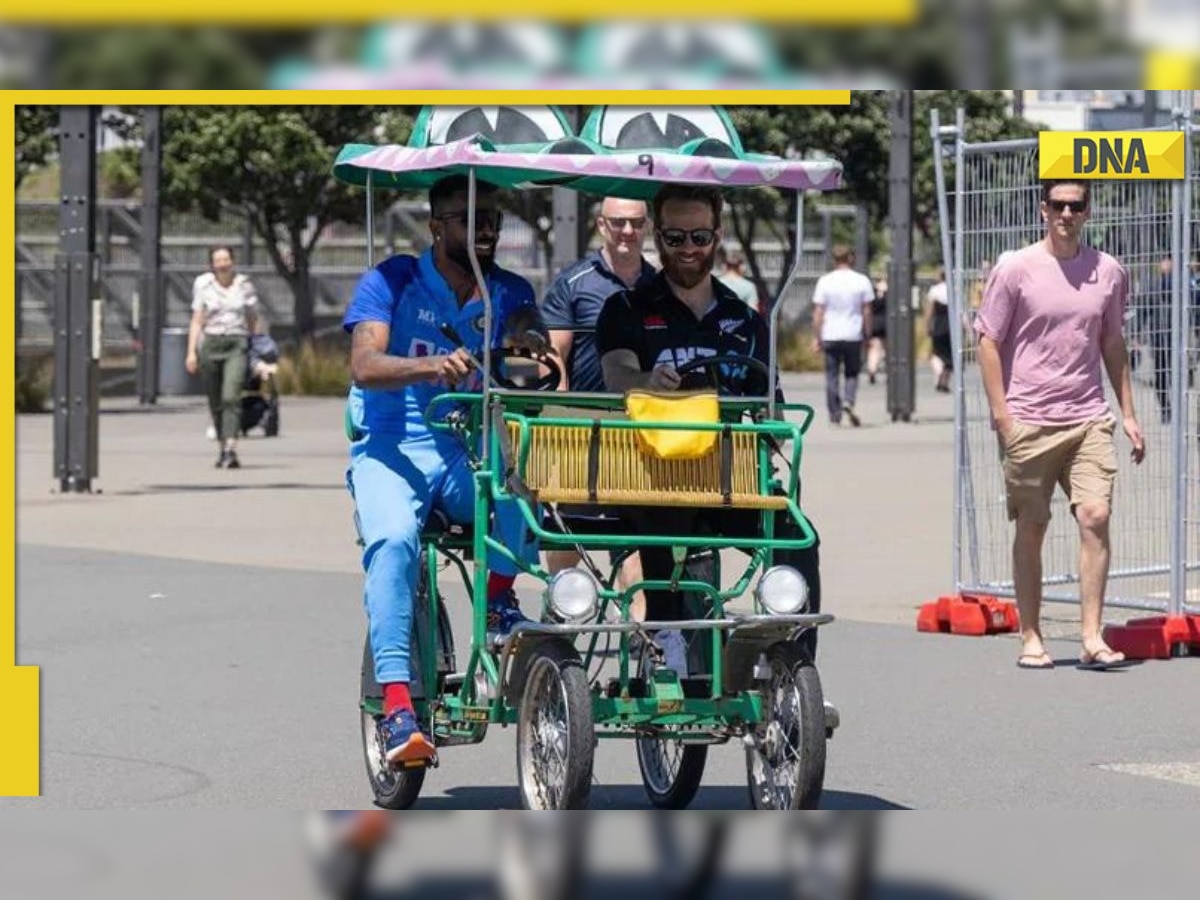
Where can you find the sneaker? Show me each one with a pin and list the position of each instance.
(403, 741)
(231, 460)
(674, 649)
(852, 415)
(503, 615)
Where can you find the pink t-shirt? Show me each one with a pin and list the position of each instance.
(1050, 318)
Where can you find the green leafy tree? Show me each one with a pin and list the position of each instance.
(275, 165)
(36, 138)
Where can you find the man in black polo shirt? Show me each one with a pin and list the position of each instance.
(644, 334)
(574, 301)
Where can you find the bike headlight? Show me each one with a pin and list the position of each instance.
(573, 595)
(783, 591)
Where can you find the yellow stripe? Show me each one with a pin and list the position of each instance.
(391, 98)
(75, 12)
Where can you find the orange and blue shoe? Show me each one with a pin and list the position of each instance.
(403, 741)
(503, 615)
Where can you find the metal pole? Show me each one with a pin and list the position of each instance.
(150, 308)
(862, 237)
(962, 448)
(370, 224)
(1182, 194)
(487, 313)
(76, 325)
(901, 362)
(939, 170)
(569, 215)
(1149, 109)
(773, 321)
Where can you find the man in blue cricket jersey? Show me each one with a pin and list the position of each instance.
(399, 471)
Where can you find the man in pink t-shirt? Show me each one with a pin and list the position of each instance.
(1050, 320)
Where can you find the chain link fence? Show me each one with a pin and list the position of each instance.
(989, 202)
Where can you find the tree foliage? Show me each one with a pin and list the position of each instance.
(36, 138)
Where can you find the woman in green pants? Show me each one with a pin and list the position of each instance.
(224, 314)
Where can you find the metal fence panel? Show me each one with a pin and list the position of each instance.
(995, 210)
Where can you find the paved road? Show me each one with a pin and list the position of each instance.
(199, 633)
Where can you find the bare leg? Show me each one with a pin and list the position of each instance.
(1093, 521)
(557, 560)
(631, 573)
(1027, 573)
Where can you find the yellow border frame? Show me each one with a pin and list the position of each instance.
(19, 685)
(76, 12)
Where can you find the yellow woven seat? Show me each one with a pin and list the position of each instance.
(559, 456)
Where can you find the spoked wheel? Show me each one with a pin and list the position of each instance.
(393, 788)
(831, 855)
(344, 860)
(689, 852)
(555, 740)
(541, 857)
(785, 766)
(671, 770)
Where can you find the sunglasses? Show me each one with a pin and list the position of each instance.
(1076, 206)
(618, 223)
(700, 237)
(484, 218)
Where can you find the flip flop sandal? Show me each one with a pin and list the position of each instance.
(1103, 661)
(1037, 661)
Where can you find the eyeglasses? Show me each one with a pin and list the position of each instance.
(618, 223)
(1076, 206)
(484, 218)
(700, 237)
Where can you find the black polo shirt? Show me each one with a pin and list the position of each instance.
(656, 325)
(574, 300)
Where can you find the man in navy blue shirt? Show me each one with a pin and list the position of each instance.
(577, 295)
(400, 470)
(574, 301)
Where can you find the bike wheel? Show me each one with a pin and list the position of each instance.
(785, 765)
(555, 736)
(671, 770)
(393, 788)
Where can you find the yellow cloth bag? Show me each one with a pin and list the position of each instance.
(674, 406)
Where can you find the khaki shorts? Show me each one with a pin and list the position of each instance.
(1081, 458)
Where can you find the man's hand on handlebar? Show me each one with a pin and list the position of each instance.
(453, 367)
(664, 378)
(531, 341)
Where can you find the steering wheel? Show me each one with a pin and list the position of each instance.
(547, 382)
(712, 364)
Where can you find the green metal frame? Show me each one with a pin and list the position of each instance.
(458, 713)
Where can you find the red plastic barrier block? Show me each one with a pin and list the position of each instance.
(968, 615)
(1154, 637)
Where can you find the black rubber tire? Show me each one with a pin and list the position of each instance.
(557, 669)
(681, 790)
(788, 664)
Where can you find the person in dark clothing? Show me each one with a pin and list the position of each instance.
(643, 335)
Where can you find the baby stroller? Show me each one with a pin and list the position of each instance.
(260, 395)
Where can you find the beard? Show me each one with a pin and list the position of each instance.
(690, 275)
(461, 257)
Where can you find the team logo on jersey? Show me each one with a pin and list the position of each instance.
(426, 317)
(728, 326)
(477, 323)
(654, 321)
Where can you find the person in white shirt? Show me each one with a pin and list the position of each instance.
(937, 326)
(841, 327)
(732, 275)
(224, 312)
